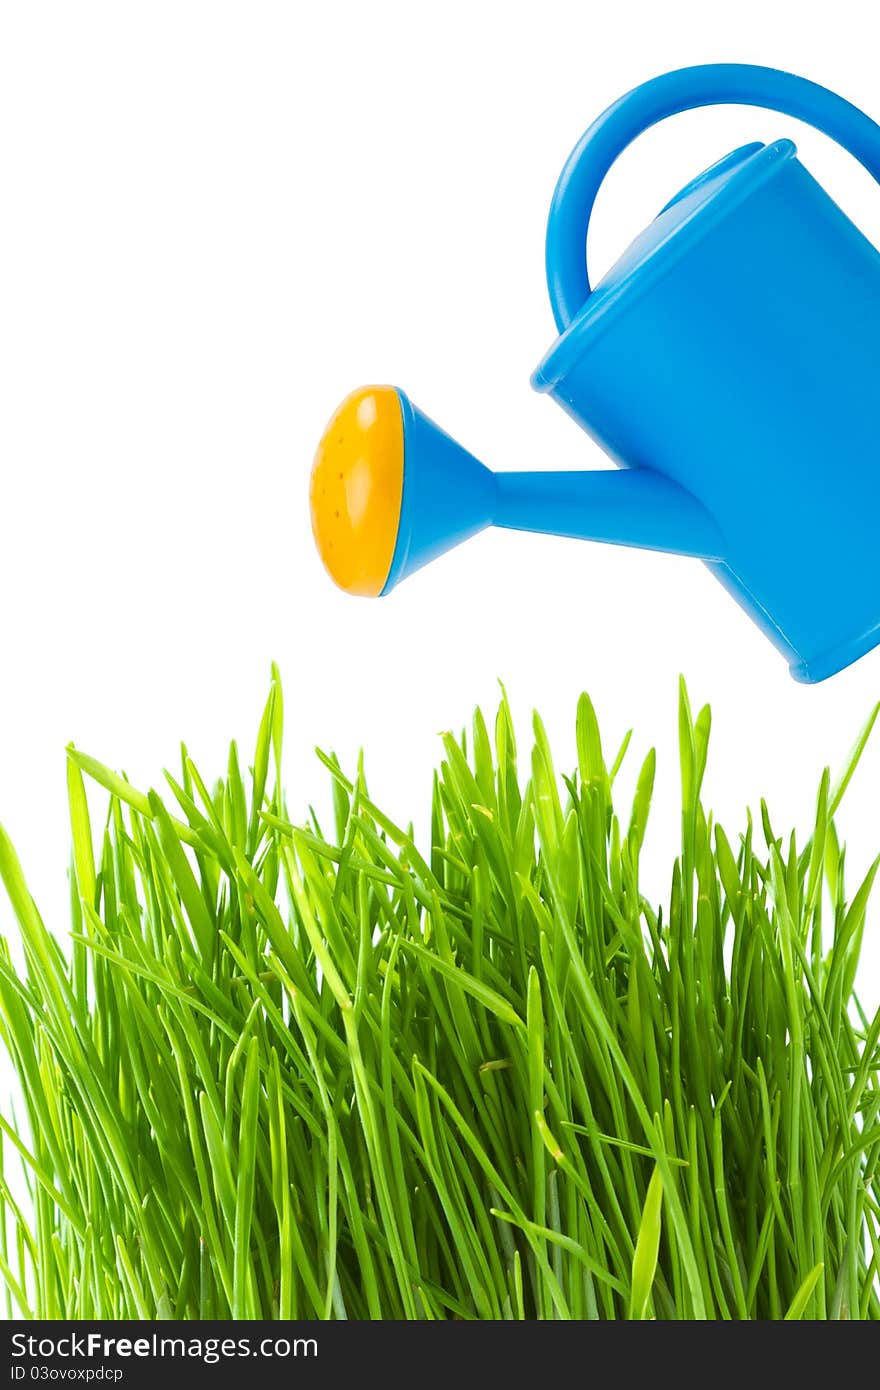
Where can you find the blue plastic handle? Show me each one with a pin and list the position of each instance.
(713, 84)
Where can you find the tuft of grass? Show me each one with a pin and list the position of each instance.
(280, 1072)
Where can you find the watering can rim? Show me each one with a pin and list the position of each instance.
(603, 305)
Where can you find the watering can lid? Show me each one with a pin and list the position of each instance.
(685, 218)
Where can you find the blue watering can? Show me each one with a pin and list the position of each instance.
(729, 363)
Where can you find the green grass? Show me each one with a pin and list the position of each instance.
(279, 1072)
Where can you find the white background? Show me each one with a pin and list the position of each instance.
(215, 220)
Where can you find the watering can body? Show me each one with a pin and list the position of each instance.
(736, 351)
(729, 364)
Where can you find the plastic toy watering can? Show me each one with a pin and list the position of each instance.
(729, 364)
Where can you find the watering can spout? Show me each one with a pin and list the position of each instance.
(391, 491)
(625, 506)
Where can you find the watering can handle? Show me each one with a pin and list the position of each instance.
(713, 84)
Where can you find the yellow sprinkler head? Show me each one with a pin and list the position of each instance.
(357, 489)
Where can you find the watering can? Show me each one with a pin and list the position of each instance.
(729, 363)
